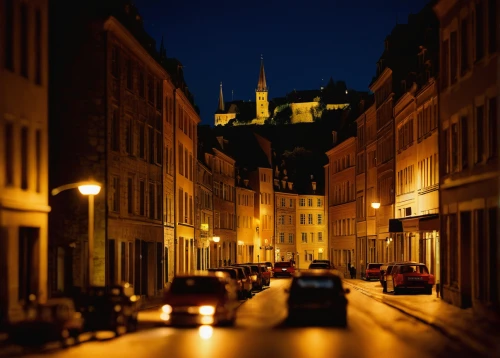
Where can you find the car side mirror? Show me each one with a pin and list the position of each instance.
(347, 290)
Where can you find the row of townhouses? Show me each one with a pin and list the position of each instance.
(418, 182)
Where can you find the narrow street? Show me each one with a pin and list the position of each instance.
(374, 330)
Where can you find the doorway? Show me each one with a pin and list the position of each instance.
(29, 262)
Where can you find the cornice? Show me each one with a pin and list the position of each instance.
(381, 79)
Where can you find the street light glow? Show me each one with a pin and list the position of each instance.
(216, 238)
(89, 188)
(375, 205)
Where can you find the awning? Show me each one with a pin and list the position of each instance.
(415, 223)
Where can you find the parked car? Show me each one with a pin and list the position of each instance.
(327, 262)
(114, 308)
(385, 270)
(319, 266)
(317, 297)
(284, 268)
(265, 274)
(372, 271)
(409, 277)
(257, 279)
(269, 266)
(55, 320)
(203, 298)
(246, 282)
(233, 273)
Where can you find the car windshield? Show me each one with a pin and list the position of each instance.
(231, 272)
(282, 264)
(374, 266)
(413, 269)
(195, 285)
(318, 266)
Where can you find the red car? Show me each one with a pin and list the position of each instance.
(284, 268)
(372, 271)
(410, 277)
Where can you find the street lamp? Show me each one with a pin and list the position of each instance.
(216, 239)
(90, 189)
(375, 205)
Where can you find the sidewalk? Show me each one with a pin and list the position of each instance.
(481, 334)
(151, 302)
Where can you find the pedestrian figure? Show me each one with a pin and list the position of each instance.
(349, 267)
(353, 272)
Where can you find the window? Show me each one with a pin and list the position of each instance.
(9, 35)
(142, 198)
(159, 95)
(291, 203)
(360, 207)
(304, 237)
(492, 26)
(38, 158)
(152, 201)
(453, 57)
(115, 194)
(115, 131)
(302, 202)
(38, 47)
(141, 84)
(130, 195)
(24, 158)
(290, 238)
(130, 74)
(479, 134)
(24, 39)
(302, 219)
(320, 236)
(479, 31)
(445, 50)
(181, 159)
(190, 166)
(319, 203)
(142, 141)
(465, 142)
(493, 127)
(151, 89)
(151, 142)
(180, 199)
(283, 203)
(464, 50)
(446, 151)
(454, 147)
(128, 136)
(186, 163)
(309, 202)
(115, 63)
(281, 237)
(9, 154)
(310, 219)
(320, 219)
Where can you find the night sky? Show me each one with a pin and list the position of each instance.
(303, 43)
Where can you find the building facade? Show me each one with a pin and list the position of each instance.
(24, 187)
(118, 141)
(245, 221)
(341, 201)
(204, 215)
(468, 139)
(185, 138)
(285, 246)
(312, 241)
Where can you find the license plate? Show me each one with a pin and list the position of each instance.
(283, 269)
(413, 278)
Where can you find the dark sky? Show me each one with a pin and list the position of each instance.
(304, 43)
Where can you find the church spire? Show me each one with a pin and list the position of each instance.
(261, 85)
(221, 100)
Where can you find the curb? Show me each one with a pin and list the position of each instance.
(446, 330)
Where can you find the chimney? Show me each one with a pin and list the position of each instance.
(277, 183)
(334, 135)
(245, 181)
(238, 178)
(313, 184)
(290, 185)
(283, 184)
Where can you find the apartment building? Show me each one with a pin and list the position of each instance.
(24, 186)
(341, 201)
(204, 214)
(245, 221)
(468, 139)
(286, 219)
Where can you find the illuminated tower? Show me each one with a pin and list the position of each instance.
(262, 104)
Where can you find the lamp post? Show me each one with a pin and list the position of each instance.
(216, 239)
(90, 189)
(375, 205)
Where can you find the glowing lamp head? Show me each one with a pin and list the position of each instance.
(89, 189)
(216, 239)
(375, 205)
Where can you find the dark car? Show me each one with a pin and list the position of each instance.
(320, 266)
(317, 297)
(55, 320)
(204, 298)
(284, 268)
(113, 308)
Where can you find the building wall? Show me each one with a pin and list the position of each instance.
(204, 216)
(245, 223)
(186, 120)
(224, 206)
(342, 203)
(24, 205)
(286, 226)
(222, 118)
(469, 169)
(262, 105)
(309, 246)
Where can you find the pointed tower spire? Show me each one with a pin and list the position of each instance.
(221, 100)
(261, 85)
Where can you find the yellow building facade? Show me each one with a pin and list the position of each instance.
(245, 221)
(286, 223)
(24, 204)
(312, 241)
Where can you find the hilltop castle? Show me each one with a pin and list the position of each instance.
(295, 107)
